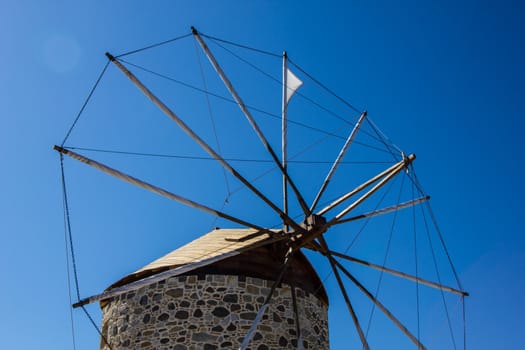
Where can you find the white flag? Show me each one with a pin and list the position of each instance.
(292, 84)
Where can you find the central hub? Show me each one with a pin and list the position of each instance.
(313, 222)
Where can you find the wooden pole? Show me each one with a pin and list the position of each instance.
(381, 307)
(132, 180)
(248, 115)
(359, 188)
(197, 139)
(401, 274)
(349, 304)
(360, 200)
(386, 210)
(337, 161)
(284, 136)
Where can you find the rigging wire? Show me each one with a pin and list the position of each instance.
(416, 266)
(69, 237)
(66, 245)
(392, 227)
(348, 104)
(154, 45)
(252, 108)
(298, 92)
(438, 276)
(245, 160)
(241, 46)
(85, 102)
(211, 118)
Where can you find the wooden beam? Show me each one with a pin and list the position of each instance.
(137, 182)
(401, 274)
(197, 139)
(359, 188)
(381, 307)
(386, 210)
(248, 115)
(338, 160)
(381, 183)
(349, 304)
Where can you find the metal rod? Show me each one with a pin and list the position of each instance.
(360, 200)
(296, 314)
(359, 188)
(132, 180)
(349, 304)
(386, 210)
(381, 307)
(337, 161)
(248, 115)
(197, 139)
(401, 274)
(284, 136)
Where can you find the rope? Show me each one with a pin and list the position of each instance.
(385, 259)
(66, 245)
(464, 323)
(241, 46)
(161, 155)
(348, 104)
(153, 45)
(85, 102)
(438, 276)
(69, 237)
(211, 116)
(96, 327)
(252, 108)
(280, 83)
(68, 222)
(416, 265)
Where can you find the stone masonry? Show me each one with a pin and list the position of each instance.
(211, 312)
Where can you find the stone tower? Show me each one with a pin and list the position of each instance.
(213, 301)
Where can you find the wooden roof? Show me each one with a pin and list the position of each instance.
(259, 256)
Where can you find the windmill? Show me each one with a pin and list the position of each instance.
(282, 267)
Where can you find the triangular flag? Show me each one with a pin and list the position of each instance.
(292, 84)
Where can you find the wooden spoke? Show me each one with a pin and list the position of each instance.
(401, 274)
(250, 118)
(348, 304)
(381, 183)
(386, 210)
(200, 141)
(381, 306)
(361, 187)
(248, 337)
(134, 181)
(337, 161)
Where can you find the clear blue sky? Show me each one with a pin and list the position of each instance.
(442, 79)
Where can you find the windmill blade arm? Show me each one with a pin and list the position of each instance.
(249, 335)
(360, 188)
(197, 139)
(337, 161)
(381, 306)
(405, 162)
(250, 118)
(401, 274)
(385, 210)
(134, 181)
(349, 304)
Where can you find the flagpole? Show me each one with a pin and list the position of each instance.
(284, 138)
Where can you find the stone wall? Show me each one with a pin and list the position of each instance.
(211, 312)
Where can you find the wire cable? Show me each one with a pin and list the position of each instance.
(392, 227)
(85, 103)
(153, 45)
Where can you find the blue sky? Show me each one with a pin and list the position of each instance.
(442, 79)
